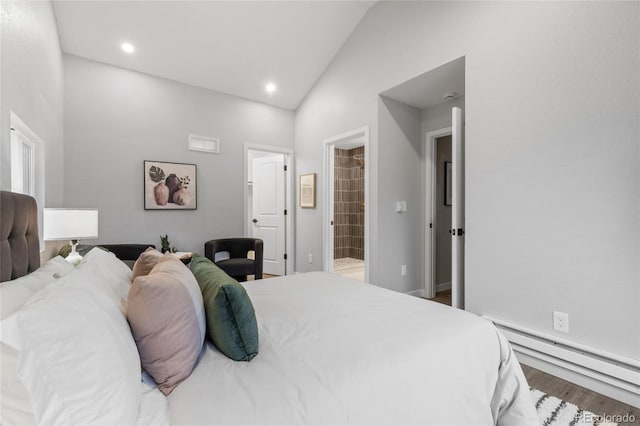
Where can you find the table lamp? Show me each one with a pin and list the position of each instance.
(71, 224)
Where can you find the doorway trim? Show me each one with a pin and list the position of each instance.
(360, 134)
(289, 198)
(430, 168)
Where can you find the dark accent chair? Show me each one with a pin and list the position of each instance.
(237, 265)
(129, 252)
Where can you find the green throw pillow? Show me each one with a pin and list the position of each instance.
(231, 319)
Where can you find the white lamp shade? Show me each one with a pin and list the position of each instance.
(70, 224)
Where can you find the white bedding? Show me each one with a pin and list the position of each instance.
(105, 281)
(336, 351)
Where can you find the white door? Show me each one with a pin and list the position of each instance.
(457, 209)
(331, 203)
(269, 211)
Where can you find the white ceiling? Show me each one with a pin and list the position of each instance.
(234, 47)
(429, 89)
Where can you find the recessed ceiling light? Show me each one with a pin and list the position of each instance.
(270, 87)
(127, 47)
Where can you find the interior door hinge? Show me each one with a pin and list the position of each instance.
(285, 212)
(430, 225)
(285, 167)
(285, 256)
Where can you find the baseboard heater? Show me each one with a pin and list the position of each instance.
(615, 370)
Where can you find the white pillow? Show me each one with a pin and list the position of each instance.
(106, 263)
(14, 294)
(15, 407)
(79, 361)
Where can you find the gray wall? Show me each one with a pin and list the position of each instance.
(553, 155)
(116, 118)
(400, 235)
(32, 85)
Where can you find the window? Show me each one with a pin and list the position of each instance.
(27, 165)
(22, 164)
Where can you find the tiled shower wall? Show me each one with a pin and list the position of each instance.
(349, 203)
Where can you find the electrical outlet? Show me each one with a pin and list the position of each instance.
(403, 270)
(310, 258)
(561, 321)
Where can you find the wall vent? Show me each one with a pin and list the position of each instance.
(203, 144)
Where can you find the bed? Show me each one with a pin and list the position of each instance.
(331, 351)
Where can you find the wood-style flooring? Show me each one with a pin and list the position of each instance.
(443, 297)
(252, 277)
(582, 397)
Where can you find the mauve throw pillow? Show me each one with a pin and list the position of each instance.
(166, 315)
(145, 263)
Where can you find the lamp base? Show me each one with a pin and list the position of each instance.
(74, 257)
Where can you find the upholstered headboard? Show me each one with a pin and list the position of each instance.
(19, 242)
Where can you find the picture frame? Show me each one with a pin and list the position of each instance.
(448, 182)
(170, 186)
(308, 191)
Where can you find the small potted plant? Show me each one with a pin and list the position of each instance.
(166, 245)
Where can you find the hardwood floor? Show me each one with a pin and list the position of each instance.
(582, 397)
(443, 297)
(251, 277)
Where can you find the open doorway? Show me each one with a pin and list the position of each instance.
(348, 212)
(439, 95)
(346, 208)
(267, 206)
(442, 219)
(444, 204)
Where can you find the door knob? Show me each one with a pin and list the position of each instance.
(255, 221)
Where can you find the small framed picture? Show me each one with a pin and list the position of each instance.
(169, 186)
(447, 183)
(308, 191)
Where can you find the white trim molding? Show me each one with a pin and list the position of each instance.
(417, 293)
(610, 374)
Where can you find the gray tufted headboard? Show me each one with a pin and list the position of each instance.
(19, 242)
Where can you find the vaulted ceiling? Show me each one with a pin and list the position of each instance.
(235, 47)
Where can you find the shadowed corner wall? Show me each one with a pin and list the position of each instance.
(32, 86)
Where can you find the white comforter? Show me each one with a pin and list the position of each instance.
(336, 351)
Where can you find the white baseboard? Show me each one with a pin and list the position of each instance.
(609, 374)
(418, 293)
(579, 379)
(443, 287)
(423, 293)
